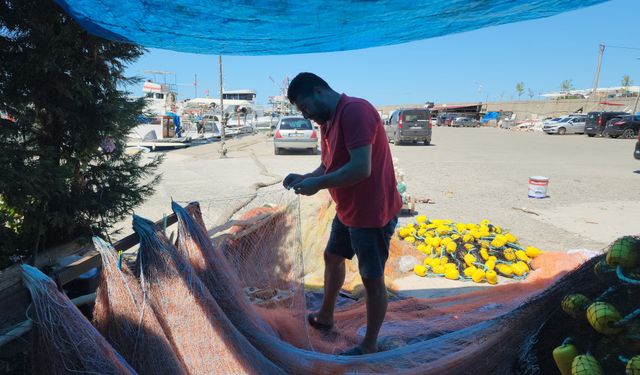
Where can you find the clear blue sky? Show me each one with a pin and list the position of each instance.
(454, 68)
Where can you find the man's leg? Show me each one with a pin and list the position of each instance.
(338, 249)
(376, 294)
(372, 247)
(334, 273)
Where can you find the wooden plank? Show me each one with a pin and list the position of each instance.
(25, 326)
(238, 223)
(77, 268)
(14, 297)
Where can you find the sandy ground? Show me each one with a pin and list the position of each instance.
(480, 173)
(470, 174)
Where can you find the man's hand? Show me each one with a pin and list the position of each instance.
(308, 186)
(292, 179)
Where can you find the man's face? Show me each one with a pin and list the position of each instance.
(312, 108)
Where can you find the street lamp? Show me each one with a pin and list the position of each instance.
(635, 106)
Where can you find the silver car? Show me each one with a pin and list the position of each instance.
(465, 122)
(294, 132)
(573, 124)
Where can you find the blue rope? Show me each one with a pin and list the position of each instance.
(624, 278)
(512, 245)
(623, 359)
(120, 260)
(627, 319)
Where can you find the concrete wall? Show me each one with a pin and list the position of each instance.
(525, 109)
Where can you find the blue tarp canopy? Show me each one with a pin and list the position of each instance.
(274, 27)
(489, 116)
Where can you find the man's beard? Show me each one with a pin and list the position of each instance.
(323, 115)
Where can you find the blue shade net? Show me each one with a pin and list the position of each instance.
(276, 27)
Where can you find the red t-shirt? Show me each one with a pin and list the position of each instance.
(373, 202)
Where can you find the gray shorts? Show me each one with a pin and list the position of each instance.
(371, 245)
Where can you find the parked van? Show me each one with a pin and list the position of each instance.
(409, 125)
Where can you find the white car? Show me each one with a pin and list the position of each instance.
(572, 124)
(295, 132)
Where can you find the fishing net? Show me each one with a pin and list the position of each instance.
(234, 299)
(64, 341)
(125, 318)
(196, 326)
(597, 312)
(454, 334)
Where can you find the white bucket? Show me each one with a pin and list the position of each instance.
(538, 186)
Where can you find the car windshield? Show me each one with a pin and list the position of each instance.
(565, 119)
(414, 116)
(295, 124)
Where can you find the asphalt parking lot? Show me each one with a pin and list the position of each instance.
(469, 173)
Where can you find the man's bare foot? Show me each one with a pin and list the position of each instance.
(360, 350)
(318, 322)
(368, 349)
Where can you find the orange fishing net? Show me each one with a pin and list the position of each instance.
(236, 303)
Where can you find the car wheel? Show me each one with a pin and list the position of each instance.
(276, 150)
(312, 151)
(591, 135)
(427, 142)
(396, 140)
(628, 133)
(562, 131)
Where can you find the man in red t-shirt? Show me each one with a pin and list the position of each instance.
(358, 171)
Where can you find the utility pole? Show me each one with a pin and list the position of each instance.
(223, 119)
(195, 86)
(597, 78)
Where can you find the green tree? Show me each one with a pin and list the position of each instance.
(65, 170)
(626, 83)
(531, 94)
(520, 88)
(566, 86)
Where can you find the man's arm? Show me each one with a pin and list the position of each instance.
(316, 173)
(357, 169)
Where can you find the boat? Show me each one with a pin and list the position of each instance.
(160, 127)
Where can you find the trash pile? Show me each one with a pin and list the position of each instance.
(467, 251)
(603, 330)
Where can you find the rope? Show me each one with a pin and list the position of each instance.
(629, 318)
(624, 278)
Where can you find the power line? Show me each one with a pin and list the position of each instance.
(622, 47)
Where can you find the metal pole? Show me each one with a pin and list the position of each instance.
(195, 86)
(597, 78)
(223, 120)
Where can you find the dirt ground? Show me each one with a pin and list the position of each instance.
(470, 173)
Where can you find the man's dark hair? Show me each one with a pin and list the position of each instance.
(303, 84)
